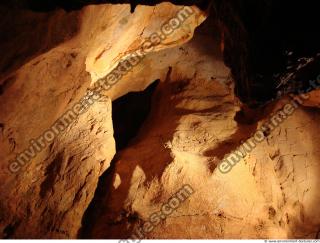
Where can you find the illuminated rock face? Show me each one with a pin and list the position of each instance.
(271, 193)
(49, 193)
(193, 124)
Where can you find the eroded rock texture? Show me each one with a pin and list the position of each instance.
(44, 72)
(272, 193)
(51, 59)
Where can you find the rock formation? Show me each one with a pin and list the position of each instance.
(83, 183)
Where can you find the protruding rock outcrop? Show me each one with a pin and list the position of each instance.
(45, 193)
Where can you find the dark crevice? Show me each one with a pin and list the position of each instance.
(128, 114)
(9, 230)
(97, 204)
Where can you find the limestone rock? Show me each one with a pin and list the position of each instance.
(48, 195)
(193, 125)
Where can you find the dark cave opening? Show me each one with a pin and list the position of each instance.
(128, 114)
(266, 40)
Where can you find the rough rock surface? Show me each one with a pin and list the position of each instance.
(272, 193)
(193, 124)
(44, 72)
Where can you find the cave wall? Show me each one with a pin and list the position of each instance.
(271, 193)
(264, 41)
(51, 59)
(45, 71)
